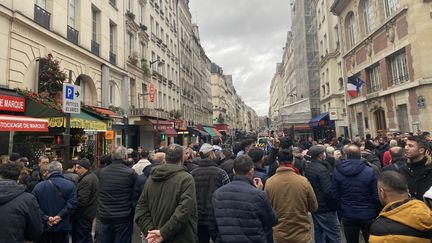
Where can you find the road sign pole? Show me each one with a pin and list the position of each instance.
(66, 137)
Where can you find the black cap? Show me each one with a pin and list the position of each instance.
(14, 156)
(316, 150)
(85, 163)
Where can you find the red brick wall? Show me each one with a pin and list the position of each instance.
(361, 55)
(384, 73)
(402, 27)
(380, 42)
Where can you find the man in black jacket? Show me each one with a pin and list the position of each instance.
(257, 156)
(35, 176)
(325, 220)
(88, 192)
(18, 209)
(115, 205)
(418, 170)
(241, 212)
(398, 159)
(208, 177)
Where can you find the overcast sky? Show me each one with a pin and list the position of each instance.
(245, 38)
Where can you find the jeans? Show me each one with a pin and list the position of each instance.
(326, 227)
(116, 233)
(203, 234)
(55, 237)
(81, 230)
(352, 229)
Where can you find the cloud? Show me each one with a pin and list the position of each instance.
(245, 38)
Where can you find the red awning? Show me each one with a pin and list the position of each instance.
(302, 127)
(22, 124)
(170, 132)
(106, 112)
(216, 132)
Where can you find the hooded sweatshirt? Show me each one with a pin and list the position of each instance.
(21, 213)
(408, 221)
(168, 203)
(354, 186)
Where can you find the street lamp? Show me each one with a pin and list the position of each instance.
(159, 63)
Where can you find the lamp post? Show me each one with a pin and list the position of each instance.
(159, 63)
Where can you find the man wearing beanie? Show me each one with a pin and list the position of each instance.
(87, 190)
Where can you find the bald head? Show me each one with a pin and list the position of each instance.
(397, 152)
(353, 152)
(159, 158)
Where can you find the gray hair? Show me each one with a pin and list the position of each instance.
(174, 154)
(119, 153)
(330, 150)
(54, 166)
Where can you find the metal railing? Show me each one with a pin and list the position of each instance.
(42, 17)
(72, 35)
(94, 47)
(149, 112)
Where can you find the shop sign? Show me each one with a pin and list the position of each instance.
(71, 98)
(333, 114)
(23, 124)
(77, 123)
(152, 92)
(109, 135)
(12, 103)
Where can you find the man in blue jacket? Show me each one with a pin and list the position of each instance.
(57, 198)
(241, 212)
(355, 188)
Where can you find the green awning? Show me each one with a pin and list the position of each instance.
(210, 131)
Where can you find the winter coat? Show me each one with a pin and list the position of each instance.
(116, 185)
(20, 213)
(56, 196)
(140, 165)
(241, 213)
(407, 221)
(168, 203)
(71, 176)
(396, 164)
(320, 179)
(88, 193)
(33, 179)
(228, 166)
(355, 188)
(260, 173)
(418, 184)
(371, 158)
(139, 186)
(292, 197)
(208, 177)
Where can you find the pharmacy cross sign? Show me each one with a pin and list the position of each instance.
(71, 98)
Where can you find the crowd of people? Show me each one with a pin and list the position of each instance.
(300, 191)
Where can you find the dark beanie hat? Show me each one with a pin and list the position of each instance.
(85, 163)
(14, 156)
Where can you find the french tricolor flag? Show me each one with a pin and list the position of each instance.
(354, 85)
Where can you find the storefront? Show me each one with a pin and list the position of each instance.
(196, 135)
(322, 126)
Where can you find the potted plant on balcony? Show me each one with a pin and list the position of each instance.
(143, 27)
(175, 114)
(144, 67)
(133, 59)
(130, 15)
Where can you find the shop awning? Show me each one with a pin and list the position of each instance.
(193, 129)
(216, 132)
(170, 132)
(81, 120)
(221, 127)
(161, 124)
(316, 121)
(210, 131)
(23, 124)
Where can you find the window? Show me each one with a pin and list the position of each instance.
(42, 4)
(368, 15)
(351, 26)
(328, 88)
(112, 2)
(111, 93)
(157, 29)
(129, 5)
(399, 68)
(142, 50)
(130, 44)
(71, 13)
(132, 92)
(391, 6)
(162, 36)
(112, 38)
(142, 14)
(374, 79)
(94, 25)
(337, 37)
(151, 24)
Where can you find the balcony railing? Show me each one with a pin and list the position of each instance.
(72, 35)
(42, 17)
(112, 58)
(149, 112)
(95, 47)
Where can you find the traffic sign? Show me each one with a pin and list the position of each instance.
(71, 98)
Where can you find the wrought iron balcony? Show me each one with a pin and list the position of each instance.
(94, 47)
(149, 112)
(72, 35)
(42, 17)
(112, 58)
